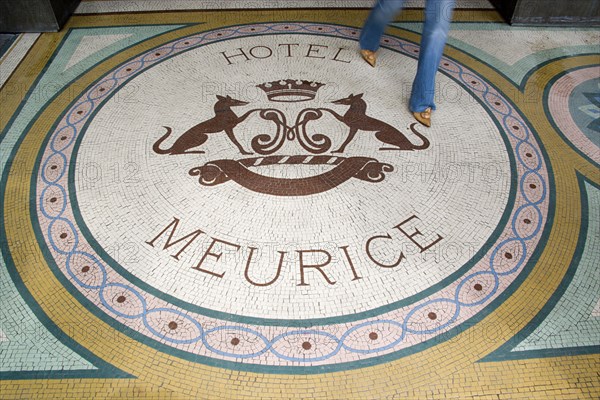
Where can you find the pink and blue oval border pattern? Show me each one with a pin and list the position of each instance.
(370, 340)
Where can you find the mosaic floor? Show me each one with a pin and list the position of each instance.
(223, 204)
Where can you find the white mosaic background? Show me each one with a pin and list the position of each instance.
(128, 194)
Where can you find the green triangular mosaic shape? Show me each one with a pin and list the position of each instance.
(32, 346)
(28, 345)
(109, 40)
(567, 324)
(570, 323)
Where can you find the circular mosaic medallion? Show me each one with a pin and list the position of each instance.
(260, 194)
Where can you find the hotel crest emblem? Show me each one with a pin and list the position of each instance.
(355, 119)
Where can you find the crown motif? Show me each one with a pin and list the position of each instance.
(290, 90)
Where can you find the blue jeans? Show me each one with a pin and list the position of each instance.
(438, 14)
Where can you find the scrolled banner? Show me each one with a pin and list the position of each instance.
(219, 171)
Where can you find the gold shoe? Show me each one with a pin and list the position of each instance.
(369, 56)
(423, 117)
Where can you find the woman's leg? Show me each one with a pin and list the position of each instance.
(382, 13)
(438, 14)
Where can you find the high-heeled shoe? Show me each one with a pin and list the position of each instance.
(369, 56)
(424, 117)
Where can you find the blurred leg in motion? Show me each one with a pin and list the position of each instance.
(438, 15)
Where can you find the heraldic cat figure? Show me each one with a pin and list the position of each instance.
(223, 121)
(356, 119)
